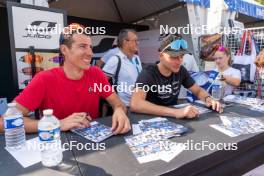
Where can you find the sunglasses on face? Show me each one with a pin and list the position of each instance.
(177, 45)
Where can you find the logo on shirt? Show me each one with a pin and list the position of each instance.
(90, 90)
(175, 88)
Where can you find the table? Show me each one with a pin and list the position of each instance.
(117, 159)
(9, 166)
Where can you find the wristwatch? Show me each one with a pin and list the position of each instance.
(205, 99)
(222, 78)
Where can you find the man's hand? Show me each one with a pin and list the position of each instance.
(188, 112)
(215, 105)
(204, 96)
(76, 120)
(120, 122)
(1, 124)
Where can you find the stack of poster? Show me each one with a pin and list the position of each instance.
(236, 126)
(253, 103)
(96, 132)
(202, 110)
(259, 108)
(162, 127)
(151, 141)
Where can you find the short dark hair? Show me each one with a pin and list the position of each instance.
(67, 38)
(123, 35)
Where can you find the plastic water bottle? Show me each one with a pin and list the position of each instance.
(216, 91)
(218, 88)
(223, 86)
(14, 128)
(49, 137)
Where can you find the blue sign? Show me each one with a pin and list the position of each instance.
(204, 3)
(246, 8)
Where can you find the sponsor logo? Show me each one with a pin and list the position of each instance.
(40, 29)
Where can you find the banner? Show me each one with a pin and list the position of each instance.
(246, 8)
(37, 28)
(33, 29)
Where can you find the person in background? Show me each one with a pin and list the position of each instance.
(232, 76)
(259, 79)
(104, 106)
(130, 65)
(69, 89)
(190, 64)
(111, 52)
(158, 86)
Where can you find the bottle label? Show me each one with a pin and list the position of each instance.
(13, 122)
(216, 86)
(49, 135)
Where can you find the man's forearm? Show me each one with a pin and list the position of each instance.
(1, 124)
(120, 105)
(31, 125)
(147, 107)
(116, 103)
(202, 94)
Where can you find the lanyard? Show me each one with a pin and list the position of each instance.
(135, 64)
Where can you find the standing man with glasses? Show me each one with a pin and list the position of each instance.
(158, 86)
(125, 66)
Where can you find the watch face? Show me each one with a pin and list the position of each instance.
(200, 78)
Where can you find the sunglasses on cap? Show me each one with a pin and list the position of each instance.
(176, 45)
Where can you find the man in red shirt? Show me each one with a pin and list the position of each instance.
(72, 91)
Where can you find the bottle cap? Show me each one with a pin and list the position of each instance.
(11, 104)
(47, 112)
